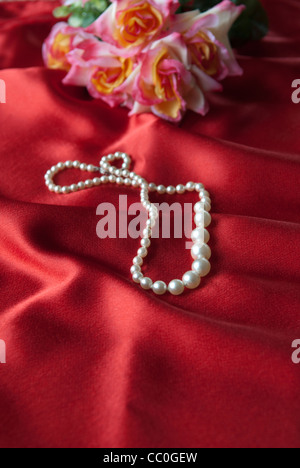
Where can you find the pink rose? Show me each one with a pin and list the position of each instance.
(206, 37)
(133, 23)
(106, 71)
(62, 39)
(164, 85)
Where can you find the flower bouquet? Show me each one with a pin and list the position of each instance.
(159, 56)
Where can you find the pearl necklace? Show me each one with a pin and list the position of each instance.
(110, 174)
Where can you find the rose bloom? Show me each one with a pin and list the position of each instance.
(164, 85)
(62, 39)
(206, 37)
(106, 71)
(133, 23)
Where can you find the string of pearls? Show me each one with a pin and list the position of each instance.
(107, 173)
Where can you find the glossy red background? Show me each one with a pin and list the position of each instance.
(92, 360)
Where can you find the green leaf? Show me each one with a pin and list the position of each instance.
(84, 15)
(252, 25)
(75, 20)
(88, 18)
(75, 6)
(101, 5)
(61, 12)
(202, 5)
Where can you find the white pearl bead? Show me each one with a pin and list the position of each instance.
(60, 166)
(197, 235)
(180, 188)
(200, 235)
(206, 203)
(142, 252)
(119, 180)
(88, 183)
(171, 190)
(199, 187)
(146, 283)
(69, 164)
(202, 219)
(74, 187)
(97, 181)
(190, 186)
(104, 165)
(83, 167)
(152, 187)
(207, 206)
(127, 182)
(201, 251)
(159, 288)
(191, 280)
(201, 266)
(135, 269)
(147, 232)
(104, 179)
(161, 189)
(145, 242)
(147, 205)
(81, 185)
(137, 277)
(196, 251)
(65, 190)
(76, 164)
(176, 287)
(112, 179)
(206, 200)
(51, 187)
(91, 168)
(135, 184)
(204, 193)
(207, 219)
(199, 219)
(138, 260)
(206, 236)
(199, 207)
(57, 189)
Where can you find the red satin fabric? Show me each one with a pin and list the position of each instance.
(94, 361)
